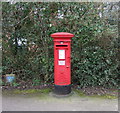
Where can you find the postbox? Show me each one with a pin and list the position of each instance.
(62, 65)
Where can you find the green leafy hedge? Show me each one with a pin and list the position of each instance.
(28, 48)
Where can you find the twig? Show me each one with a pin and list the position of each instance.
(23, 18)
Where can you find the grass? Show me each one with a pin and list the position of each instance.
(48, 90)
(31, 91)
(80, 93)
(105, 96)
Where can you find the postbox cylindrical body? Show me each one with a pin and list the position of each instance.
(62, 65)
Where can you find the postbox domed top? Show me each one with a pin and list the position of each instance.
(62, 35)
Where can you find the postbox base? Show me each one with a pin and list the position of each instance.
(62, 90)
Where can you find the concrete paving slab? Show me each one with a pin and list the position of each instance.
(46, 102)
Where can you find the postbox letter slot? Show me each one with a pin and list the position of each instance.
(61, 45)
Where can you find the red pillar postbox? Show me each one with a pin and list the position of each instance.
(62, 65)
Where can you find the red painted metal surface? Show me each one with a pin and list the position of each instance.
(62, 65)
(62, 35)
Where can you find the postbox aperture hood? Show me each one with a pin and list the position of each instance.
(62, 35)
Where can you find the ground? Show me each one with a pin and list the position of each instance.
(43, 100)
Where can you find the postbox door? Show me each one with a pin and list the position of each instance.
(63, 67)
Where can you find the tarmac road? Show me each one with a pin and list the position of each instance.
(38, 102)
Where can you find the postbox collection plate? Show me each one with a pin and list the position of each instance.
(61, 54)
(61, 62)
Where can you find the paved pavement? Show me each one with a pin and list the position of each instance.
(40, 102)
